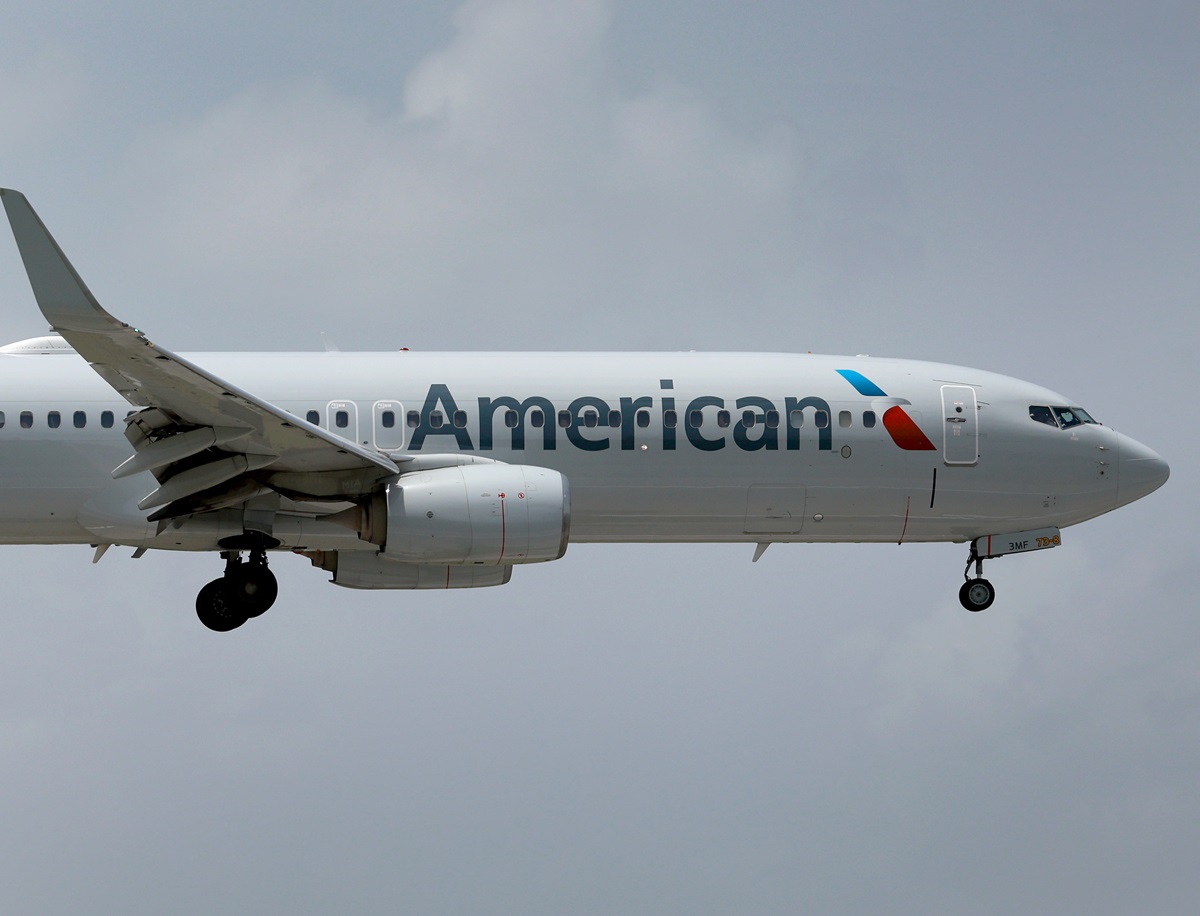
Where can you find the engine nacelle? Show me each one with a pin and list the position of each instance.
(369, 570)
(493, 514)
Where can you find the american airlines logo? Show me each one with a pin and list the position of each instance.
(900, 426)
(705, 423)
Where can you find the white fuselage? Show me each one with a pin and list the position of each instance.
(787, 448)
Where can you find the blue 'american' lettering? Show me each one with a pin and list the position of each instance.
(587, 422)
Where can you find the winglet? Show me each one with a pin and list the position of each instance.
(62, 296)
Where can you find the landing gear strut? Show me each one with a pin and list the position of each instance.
(976, 594)
(247, 589)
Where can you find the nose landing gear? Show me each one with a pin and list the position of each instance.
(976, 594)
(247, 589)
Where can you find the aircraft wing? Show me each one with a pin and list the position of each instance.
(207, 442)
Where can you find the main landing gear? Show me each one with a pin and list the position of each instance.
(976, 594)
(247, 589)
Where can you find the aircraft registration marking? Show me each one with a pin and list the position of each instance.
(997, 545)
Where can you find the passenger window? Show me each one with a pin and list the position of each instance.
(341, 419)
(822, 419)
(414, 419)
(772, 419)
(511, 418)
(614, 418)
(869, 419)
(590, 418)
(696, 419)
(748, 419)
(723, 419)
(460, 419)
(436, 419)
(670, 419)
(80, 419)
(313, 417)
(643, 418)
(53, 419)
(537, 419)
(26, 420)
(796, 419)
(1, 419)
(564, 419)
(1042, 415)
(845, 418)
(388, 419)
(106, 419)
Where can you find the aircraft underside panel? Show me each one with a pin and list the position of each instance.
(774, 509)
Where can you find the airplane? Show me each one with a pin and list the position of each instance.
(406, 470)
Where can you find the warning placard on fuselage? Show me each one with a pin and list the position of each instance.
(997, 545)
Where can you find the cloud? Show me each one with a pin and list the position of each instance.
(514, 67)
(509, 177)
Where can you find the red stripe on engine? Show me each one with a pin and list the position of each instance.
(503, 527)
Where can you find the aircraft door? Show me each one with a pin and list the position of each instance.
(389, 425)
(961, 425)
(341, 419)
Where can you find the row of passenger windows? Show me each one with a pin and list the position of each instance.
(1064, 417)
(591, 418)
(54, 419)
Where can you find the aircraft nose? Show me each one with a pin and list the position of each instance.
(1140, 471)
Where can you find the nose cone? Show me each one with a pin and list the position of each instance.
(1140, 471)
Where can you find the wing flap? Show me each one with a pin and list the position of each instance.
(162, 452)
(204, 477)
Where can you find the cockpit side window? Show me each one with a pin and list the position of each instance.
(1042, 415)
(1084, 415)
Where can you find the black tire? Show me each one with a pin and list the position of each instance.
(215, 609)
(977, 595)
(252, 589)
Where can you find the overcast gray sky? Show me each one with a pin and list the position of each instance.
(631, 729)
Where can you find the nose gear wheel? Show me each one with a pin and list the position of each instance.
(977, 593)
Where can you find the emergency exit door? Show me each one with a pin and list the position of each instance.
(389, 425)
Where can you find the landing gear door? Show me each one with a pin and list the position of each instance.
(960, 414)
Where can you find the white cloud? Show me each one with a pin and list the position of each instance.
(514, 65)
(513, 178)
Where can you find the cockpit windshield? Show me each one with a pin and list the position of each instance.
(1072, 416)
(1064, 417)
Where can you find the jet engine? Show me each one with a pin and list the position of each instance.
(488, 514)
